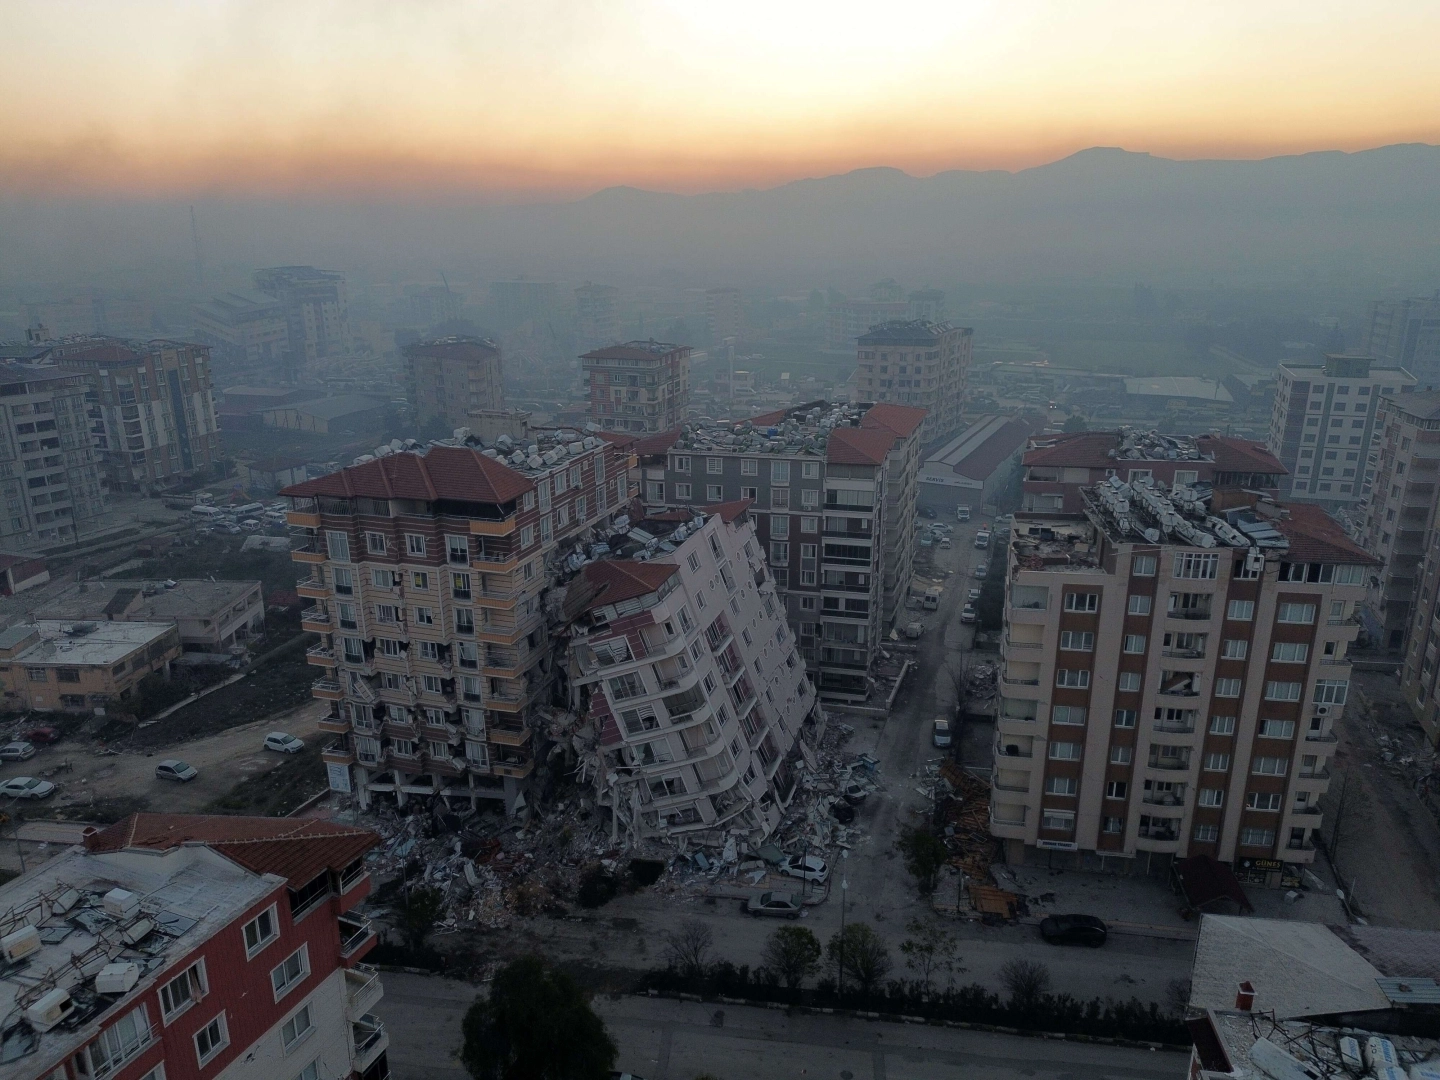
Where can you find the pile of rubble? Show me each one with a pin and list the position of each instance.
(962, 815)
(980, 685)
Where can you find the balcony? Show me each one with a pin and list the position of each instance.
(363, 990)
(315, 619)
(338, 752)
(507, 736)
(501, 664)
(1169, 763)
(493, 528)
(335, 725)
(1011, 643)
(327, 690)
(311, 589)
(1191, 614)
(1019, 682)
(309, 550)
(369, 1039)
(302, 519)
(1166, 832)
(322, 655)
(355, 933)
(518, 768)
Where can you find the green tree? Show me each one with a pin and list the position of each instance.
(536, 1024)
(1075, 422)
(793, 953)
(419, 910)
(860, 954)
(929, 950)
(925, 853)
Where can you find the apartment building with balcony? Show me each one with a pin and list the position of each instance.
(688, 679)
(1171, 678)
(1324, 418)
(923, 365)
(640, 387)
(173, 945)
(833, 490)
(449, 379)
(316, 309)
(427, 570)
(151, 411)
(1397, 515)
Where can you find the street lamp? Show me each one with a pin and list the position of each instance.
(844, 893)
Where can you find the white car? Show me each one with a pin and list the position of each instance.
(26, 787)
(982, 570)
(809, 867)
(174, 769)
(283, 743)
(17, 751)
(967, 613)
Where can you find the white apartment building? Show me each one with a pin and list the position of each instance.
(1171, 679)
(1323, 421)
(688, 679)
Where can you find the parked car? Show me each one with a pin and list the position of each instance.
(43, 735)
(927, 511)
(945, 543)
(967, 613)
(962, 513)
(855, 793)
(809, 867)
(17, 751)
(175, 769)
(250, 525)
(784, 905)
(941, 733)
(283, 743)
(973, 595)
(914, 629)
(982, 539)
(982, 569)
(26, 787)
(1074, 930)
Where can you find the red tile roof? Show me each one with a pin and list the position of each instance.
(859, 446)
(901, 419)
(614, 438)
(618, 580)
(634, 350)
(443, 472)
(1075, 449)
(1317, 537)
(656, 444)
(986, 458)
(766, 419)
(297, 850)
(729, 511)
(1239, 455)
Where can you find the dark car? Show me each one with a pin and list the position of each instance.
(927, 511)
(42, 735)
(1074, 930)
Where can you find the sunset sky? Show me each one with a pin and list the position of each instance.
(546, 98)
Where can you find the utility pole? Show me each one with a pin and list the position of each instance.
(195, 239)
(844, 893)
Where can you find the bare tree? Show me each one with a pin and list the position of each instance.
(929, 950)
(1177, 996)
(861, 954)
(1027, 982)
(688, 949)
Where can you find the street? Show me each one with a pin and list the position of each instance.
(671, 1040)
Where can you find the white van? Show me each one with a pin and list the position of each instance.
(204, 513)
(249, 510)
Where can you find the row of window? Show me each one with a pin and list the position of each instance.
(1327, 691)
(1199, 603)
(780, 470)
(1158, 828)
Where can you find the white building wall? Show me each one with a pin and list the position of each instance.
(329, 1042)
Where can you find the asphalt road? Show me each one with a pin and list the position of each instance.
(671, 1040)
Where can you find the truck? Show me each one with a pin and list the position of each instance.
(932, 598)
(962, 512)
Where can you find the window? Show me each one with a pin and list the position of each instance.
(1277, 729)
(1060, 785)
(749, 467)
(1207, 834)
(682, 463)
(779, 554)
(1222, 725)
(1113, 825)
(1269, 766)
(1134, 643)
(1217, 762)
(1241, 610)
(211, 1039)
(1139, 604)
(809, 524)
(1282, 691)
(1077, 640)
(420, 580)
(1082, 601)
(118, 1043)
(1295, 613)
(338, 546)
(290, 971)
(1143, 566)
(296, 1028)
(344, 581)
(1257, 838)
(184, 990)
(682, 492)
(1125, 718)
(1262, 800)
(693, 561)
(1194, 564)
(1065, 751)
(1212, 797)
(715, 465)
(1078, 680)
(260, 931)
(1289, 652)
(424, 616)
(457, 550)
(1234, 649)
(1227, 687)
(375, 543)
(415, 545)
(460, 586)
(779, 527)
(1067, 714)
(1331, 691)
(713, 492)
(779, 472)
(1116, 789)
(1120, 755)
(1128, 680)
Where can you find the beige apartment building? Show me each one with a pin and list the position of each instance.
(923, 365)
(1171, 679)
(640, 387)
(452, 378)
(51, 665)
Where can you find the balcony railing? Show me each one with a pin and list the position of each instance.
(1175, 764)
(355, 931)
(1194, 614)
(362, 989)
(315, 615)
(369, 1038)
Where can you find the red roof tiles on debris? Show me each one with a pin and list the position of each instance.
(729, 511)
(766, 419)
(656, 444)
(1076, 450)
(901, 419)
(297, 850)
(1317, 537)
(618, 580)
(1239, 455)
(859, 446)
(442, 472)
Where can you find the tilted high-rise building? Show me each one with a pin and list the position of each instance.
(640, 387)
(1407, 332)
(317, 312)
(449, 379)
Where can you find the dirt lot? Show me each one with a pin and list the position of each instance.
(1388, 847)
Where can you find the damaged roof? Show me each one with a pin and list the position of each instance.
(1317, 537)
(618, 580)
(442, 472)
(635, 350)
(901, 419)
(729, 511)
(859, 446)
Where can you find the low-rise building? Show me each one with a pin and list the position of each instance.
(974, 467)
(183, 946)
(688, 679)
(21, 572)
(52, 665)
(358, 413)
(247, 330)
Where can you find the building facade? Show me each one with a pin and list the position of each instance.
(152, 414)
(427, 574)
(50, 474)
(848, 319)
(597, 311)
(182, 946)
(640, 387)
(919, 364)
(50, 665)
(1407, 333)
(247, 331)
(724, 313)
(1323, 422)
(685, 670)
(317, 312)
(1171, 678)
(450, 378)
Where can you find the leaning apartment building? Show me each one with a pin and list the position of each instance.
(833, 489)
(1173, 664)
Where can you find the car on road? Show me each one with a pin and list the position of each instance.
(784, 905)
(982, 539)
(973, 595)
(945, 543)
(17, 751)
(982, 569)
(42, 735)
(26, 787)
(174, 769)
(927, 511)
(962, 513)
(1074, 930)
(250, 525)
(967, 613)
(283, 743)
(808, 867)
(941, 732)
